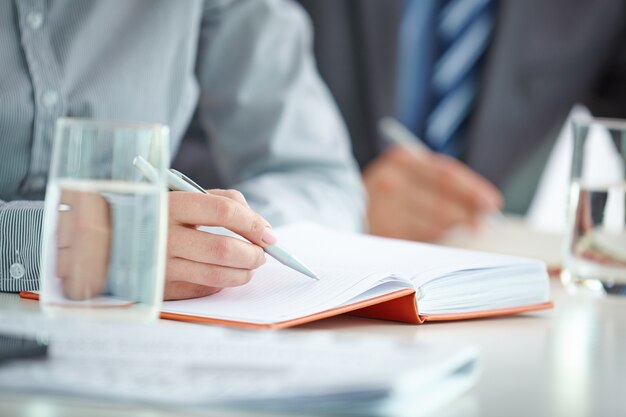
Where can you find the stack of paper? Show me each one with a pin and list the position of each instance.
(186, 365)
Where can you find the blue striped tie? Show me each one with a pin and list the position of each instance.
(441, 43)
(463, 30)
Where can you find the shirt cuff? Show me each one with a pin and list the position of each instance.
(20, 237)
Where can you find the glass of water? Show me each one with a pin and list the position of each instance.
(105, 222)
(595, 251)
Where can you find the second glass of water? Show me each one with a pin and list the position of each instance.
(595, 252)
(105, 225)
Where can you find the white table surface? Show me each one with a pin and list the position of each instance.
(568, 361)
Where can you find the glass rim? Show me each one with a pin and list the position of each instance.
(607, 122)
(111, 124)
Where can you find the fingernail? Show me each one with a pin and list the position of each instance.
(269, 237)
(488, 205)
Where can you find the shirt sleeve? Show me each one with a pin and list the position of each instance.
(276, 134)
(20, 237)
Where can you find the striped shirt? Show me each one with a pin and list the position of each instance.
(245, 67)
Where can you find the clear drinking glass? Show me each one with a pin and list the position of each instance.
(595, 251)
(105, 222)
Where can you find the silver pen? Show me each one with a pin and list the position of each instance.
(396, 133)
(177, 181)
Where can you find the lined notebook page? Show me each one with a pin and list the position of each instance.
(277, 293)
(348, 265)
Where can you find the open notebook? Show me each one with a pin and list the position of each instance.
(374, 277)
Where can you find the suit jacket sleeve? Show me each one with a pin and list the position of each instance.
(275, 132)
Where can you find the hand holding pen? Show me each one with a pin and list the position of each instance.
(201, 263)
(417, 194)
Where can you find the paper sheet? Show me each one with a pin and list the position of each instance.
(349, 266)
(182, 364)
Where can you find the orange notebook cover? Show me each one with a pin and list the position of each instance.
(397, 306)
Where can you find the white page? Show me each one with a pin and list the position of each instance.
(348, 264)
(277, 293)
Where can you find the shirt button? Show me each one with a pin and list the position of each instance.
(17, 271)
(34, 20)
(50, 99)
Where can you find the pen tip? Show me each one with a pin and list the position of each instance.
(284, 257)
(308, 272)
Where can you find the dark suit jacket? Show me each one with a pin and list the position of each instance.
(545, 56)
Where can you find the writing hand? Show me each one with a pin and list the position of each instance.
(83, 243)
(420, 196)
(200, 263)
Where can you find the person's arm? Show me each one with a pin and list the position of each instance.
(276, 133)
(20, 234)
(198, 263)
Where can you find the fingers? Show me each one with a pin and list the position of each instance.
(83, 240)
(178, 269)
(198, 246)
(63, 262)
(440, 212)
(404, 224)
(467, 186)
(422, 198)
(201, 263)
(232, 194)
(452, 179)
(399, 209)
(216, 210)
(181, 290)
(83, 267)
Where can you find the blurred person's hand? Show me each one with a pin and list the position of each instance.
(83, 243)
(422, 195)
(201, 263)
